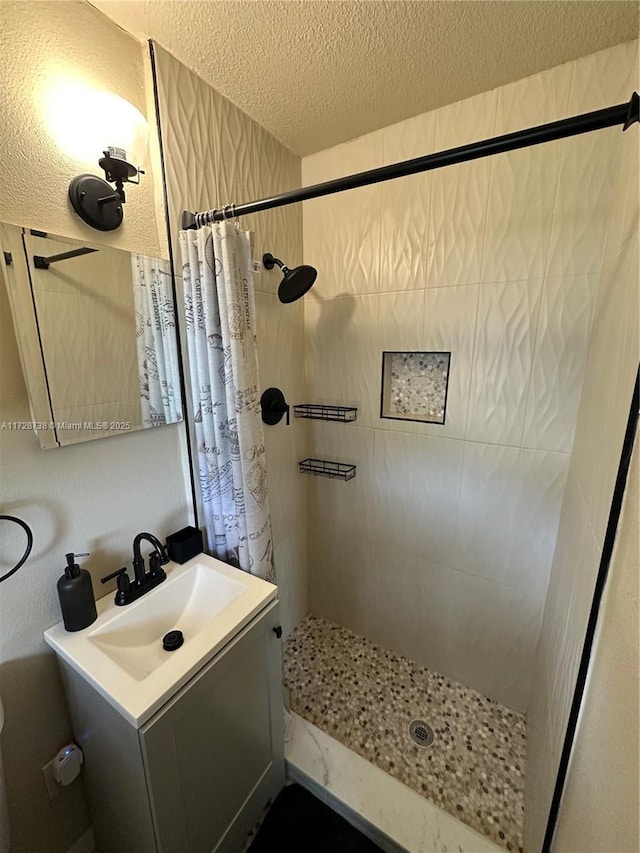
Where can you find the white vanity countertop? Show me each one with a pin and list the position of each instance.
(121, 653)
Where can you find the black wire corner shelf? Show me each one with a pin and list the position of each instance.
(324, 468)
(324, 412)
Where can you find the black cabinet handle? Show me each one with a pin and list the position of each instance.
(278, 631)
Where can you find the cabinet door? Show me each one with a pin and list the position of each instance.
(214, 754)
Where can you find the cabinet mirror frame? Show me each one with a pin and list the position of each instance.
(148, 358)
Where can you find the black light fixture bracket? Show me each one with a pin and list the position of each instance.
(94, 200)
(118, 171)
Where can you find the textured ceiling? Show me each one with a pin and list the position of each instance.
(319, 72)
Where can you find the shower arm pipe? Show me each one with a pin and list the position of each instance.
(623, 114)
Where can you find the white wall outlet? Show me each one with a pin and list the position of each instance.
(53, 789)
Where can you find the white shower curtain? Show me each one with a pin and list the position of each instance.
(158, 370)
(223, 365)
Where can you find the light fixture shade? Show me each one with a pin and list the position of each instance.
(84, 122)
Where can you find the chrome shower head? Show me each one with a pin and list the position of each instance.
(295, 282)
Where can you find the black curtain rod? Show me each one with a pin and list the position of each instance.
(622, 114)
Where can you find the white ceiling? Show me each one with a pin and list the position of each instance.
(319, 72)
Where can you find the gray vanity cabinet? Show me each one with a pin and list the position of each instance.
(196, 776)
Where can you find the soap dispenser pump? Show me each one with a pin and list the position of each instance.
(75, 591)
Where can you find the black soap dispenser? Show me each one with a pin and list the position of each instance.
(75, 591)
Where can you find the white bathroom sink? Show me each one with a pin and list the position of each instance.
(122, 654)
(189, 602)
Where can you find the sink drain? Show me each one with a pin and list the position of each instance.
(172, 641)
(421, 733)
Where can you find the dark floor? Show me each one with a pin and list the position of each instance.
(298, 822)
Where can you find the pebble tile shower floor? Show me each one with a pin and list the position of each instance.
(366, 697)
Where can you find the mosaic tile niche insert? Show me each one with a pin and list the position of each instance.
(414, 386)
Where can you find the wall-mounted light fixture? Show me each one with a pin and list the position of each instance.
(84, 121)
(96, 201)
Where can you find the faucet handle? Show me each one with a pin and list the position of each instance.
(124, 584)
(156, 562)
(113, 575)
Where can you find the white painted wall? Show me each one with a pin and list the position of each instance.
(441, 547)
(92, 497)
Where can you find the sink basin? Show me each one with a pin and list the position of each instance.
(121, 653)
(189, 603)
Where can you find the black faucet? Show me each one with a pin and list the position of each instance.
(157, 559)
(129, 590)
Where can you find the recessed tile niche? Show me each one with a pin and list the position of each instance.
(414, 386)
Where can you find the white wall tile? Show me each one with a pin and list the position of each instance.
(342, 233)
(508, 514)
(466, 121)
(459, 201)
(357, 155)
(338, 506)
(280, 340)
(578, 230)
(559, 359)
(400, 329)
(401, 320)
(623, 219)
(336, 564)
(391, 609)
(472, 610)
(404, 246)
(449, 326)
(404, 241)
(290, 558)
(536, 514)
(517, 628)
(522, 192)
(592, 162)
(460, 193)
(342, 352)
(416, 496)
(534, 100)
(505, 335)
(605, 78)
(343, 242)
(575, 565)
(608, 386)
(284, 448)
(523, 183)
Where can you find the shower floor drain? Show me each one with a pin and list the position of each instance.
(421, 733)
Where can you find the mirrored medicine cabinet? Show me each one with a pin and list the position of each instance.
(96, 331)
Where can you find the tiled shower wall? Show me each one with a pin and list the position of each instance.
(214, 155)
(614, 353)
(441, 547)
